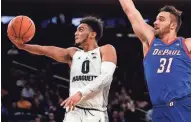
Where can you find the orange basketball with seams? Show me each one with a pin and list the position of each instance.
(21, 28)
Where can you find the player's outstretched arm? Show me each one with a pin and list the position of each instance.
(109, 60)
(56, 53)
(144, 31)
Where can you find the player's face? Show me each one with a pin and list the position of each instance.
(162, 24)
(82, 34)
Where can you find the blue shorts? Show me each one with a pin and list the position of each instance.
(176, 111)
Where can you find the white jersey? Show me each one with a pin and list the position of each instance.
(86, 66)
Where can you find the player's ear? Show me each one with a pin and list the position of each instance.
(93, 34)
(173, 25)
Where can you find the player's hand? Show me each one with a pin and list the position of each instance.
(18, 43)
(70, 102)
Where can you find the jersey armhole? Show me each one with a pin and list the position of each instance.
(100, 53)
(151, 43)
(77, 50)
(185, 47)
(75, 53)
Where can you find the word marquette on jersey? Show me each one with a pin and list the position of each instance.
(166, 52)
(83, 78)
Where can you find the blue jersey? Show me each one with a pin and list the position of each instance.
(168, 71)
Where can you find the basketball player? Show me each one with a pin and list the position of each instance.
(167, 62)
(91, 71)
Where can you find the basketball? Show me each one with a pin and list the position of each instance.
(21, 28)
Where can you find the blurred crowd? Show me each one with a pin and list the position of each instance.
(30, 98)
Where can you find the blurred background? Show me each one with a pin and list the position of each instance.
(32, 87)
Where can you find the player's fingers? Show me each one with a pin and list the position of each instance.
(73, 107)
(17, 41)
(63, 102)
(67, 103)
(70, 105)
(13, 40)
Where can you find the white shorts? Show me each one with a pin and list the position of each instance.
(85, 115)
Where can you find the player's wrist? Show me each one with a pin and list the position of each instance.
(79, 93)
(18, 43)
(21, 46)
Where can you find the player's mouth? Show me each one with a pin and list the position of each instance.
(156, 28)
(76, 38)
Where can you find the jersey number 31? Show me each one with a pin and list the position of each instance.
(165, 65)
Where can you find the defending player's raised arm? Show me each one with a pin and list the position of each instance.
(59, 54)
(109, 60)
(144, 31)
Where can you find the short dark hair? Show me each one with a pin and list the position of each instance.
(95, 24)
(177, 13)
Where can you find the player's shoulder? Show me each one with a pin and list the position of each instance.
(188, 43)
(107, 47)
(74, 49)
(188, 39)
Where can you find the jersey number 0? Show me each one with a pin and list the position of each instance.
(85, 67)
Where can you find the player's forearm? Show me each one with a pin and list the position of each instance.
(104, 79)
(99, 83)
(132, 13)
(128, 6)
(36, 49)
(56, 53)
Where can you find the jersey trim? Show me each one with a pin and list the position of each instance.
(185, 47)
(149, 47)
(171, 41)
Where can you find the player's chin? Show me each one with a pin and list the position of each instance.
(77, 43)
(156, 33)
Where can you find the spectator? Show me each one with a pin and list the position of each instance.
(4, 113)
(59, 114)
(39, 95)
(149, 115)
(27, 92)
(37, 107)
(21, 82)
(24, 104)
(131, 106)
(122, 116)
(37, 119)
(115, 117)
(51, 117)
(115, 104)
(141, 104)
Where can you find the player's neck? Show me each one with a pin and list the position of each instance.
(89, 46)
(168, 38)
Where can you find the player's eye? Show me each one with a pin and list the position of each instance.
(80, 29)
(161, 19)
